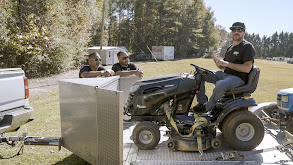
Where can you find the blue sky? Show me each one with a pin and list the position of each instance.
(263, 17)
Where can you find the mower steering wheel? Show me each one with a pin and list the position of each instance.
(201, 69)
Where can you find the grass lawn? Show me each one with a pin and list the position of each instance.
(274, 76)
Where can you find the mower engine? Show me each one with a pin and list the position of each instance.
(147, 96)
(285, 100)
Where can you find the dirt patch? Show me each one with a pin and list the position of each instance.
(42, 85)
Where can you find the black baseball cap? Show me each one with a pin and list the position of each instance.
(238, 25)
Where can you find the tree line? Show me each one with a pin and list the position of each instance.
(186, 24)
(48, 37)
(277, 45)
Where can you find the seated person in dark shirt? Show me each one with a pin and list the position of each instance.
(124, 67)
(94, 69)
(236, 65)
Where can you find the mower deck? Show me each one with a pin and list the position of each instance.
(162, 156)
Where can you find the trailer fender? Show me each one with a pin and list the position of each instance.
(257, 109)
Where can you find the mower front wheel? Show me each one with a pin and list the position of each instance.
(146, 135)
(243, 130)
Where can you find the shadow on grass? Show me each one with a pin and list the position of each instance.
(72, 160)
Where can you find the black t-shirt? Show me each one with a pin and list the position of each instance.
(87, 68)
(117, 67)
(239, 54)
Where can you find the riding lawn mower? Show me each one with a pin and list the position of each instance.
(166, 101)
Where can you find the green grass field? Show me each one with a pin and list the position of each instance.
(274, 76)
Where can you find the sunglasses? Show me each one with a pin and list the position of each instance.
(97, 59)
(237, 30)
(124, 58)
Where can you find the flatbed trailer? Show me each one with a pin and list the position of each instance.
(104, 138)
(270, 151)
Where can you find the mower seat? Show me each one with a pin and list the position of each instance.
(249, 87)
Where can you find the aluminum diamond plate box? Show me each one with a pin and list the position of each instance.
(124, 85)
(91, 113)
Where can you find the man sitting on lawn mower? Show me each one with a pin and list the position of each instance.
(237, 63)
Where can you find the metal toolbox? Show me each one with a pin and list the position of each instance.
(91, 111)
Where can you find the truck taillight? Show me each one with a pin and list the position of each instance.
(26, 89)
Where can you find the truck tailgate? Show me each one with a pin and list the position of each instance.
(12, 89)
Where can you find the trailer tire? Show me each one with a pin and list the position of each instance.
(269, 110)
(146, 135)
(243, 130)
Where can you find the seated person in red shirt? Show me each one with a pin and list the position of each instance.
(94, 69)
(124, 67)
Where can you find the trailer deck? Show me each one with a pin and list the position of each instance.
(162, 156)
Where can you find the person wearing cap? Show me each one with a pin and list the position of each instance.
(94, 69)
(235, 66)
(124, 67)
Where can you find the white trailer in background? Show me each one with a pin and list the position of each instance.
(163, 52)
(108, 54)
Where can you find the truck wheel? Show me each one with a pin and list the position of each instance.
(146, 135)
(243, 130)
(269, 110)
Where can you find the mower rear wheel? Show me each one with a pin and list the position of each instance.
(243, 130)
(146, 135)
(220, 126)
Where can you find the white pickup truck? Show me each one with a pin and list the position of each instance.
(14, 105)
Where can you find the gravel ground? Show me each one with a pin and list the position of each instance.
(42, 85)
